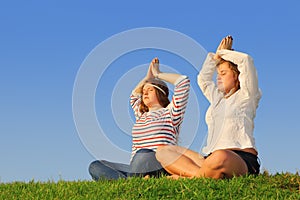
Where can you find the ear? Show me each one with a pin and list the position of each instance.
(237, 81)
(236, 76)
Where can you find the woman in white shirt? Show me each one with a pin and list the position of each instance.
(230, 149)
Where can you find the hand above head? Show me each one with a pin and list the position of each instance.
(156, 73)
(226, 43)
(155, 67)
(150, 71)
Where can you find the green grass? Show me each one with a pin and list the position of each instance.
(264, 186)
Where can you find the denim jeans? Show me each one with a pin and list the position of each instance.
(143, 163)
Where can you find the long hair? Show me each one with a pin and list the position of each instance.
(161, 97)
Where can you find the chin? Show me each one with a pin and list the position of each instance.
(221, 88)
(146, 103)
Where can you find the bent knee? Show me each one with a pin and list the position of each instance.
(160, 153)
(163, 151)
(93, 164)
(225, 163)
(93, 167)
(217, 159)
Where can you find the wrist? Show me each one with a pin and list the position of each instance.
(157, 75)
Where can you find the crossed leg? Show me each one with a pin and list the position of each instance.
(183, 162)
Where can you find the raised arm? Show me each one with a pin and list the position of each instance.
(248, 75)
(149, 75)
(181, 92)
(136, 95)
(168, 77)
(205, 77)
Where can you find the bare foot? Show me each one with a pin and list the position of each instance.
(146, 177)
(174, 177)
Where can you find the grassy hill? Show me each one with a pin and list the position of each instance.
(264, 186)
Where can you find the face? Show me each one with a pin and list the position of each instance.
(149, 96)
(227, 79)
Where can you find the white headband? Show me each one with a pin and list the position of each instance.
(157, 88)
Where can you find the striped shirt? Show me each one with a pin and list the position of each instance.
(159, 127)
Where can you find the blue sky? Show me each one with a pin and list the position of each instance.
(44, 45)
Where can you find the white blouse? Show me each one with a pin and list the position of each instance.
(230, 120)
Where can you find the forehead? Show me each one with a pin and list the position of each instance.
(147, 86)
(224, 67)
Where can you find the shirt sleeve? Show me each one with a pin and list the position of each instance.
(179, 100)
(248, 75)
(205, 78)
(135, 102)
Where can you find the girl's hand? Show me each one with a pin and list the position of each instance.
(150, 71)
(155, 67)
(226, 43)
(149, 75)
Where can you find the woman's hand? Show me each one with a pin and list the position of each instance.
(155, 67)
(226, 43)
(150, 71)
(153, 70)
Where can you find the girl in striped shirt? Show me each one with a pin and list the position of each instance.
(158, 123)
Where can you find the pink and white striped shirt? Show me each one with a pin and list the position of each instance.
(159, 127)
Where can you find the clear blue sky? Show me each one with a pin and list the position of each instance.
(44, 44)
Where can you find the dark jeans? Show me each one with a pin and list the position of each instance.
(143, 163)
